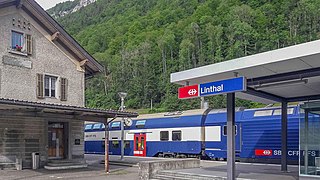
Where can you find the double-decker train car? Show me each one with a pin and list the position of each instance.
(201, 133)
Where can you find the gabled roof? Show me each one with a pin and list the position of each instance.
(33, 9)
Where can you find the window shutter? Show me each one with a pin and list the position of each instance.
(40, 86)
(29, 44)
(64, 88)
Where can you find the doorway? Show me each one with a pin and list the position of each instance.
(57, 141)
(140, 145)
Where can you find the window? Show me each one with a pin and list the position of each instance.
(17, 41)
(277, 112)
(140, 124)
(263, 113)
(50, 86)
(88, 127)
(126, 144)
(21, 42)
(96, 126)
(115, 144)
(176, 135)
(225, 130)
(47, 87)
(137, 143)
(115, 125)
(164, 135)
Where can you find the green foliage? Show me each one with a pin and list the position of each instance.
(142, 41)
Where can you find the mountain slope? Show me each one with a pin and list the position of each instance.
(68, 7)
(142, 41)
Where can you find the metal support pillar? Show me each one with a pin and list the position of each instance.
(284, 135)
(306, 129)
(231, 136)
(122, 138)
(106, 147)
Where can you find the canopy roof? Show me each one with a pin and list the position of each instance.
(287, 74)
(75, 112)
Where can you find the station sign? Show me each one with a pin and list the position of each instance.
(188, 92)
(213, 88)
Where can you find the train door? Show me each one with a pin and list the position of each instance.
(237, 138)
(140, 148)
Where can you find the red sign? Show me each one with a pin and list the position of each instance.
(263, 152)
(188, 92)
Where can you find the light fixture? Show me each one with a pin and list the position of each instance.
(280, 84)
(122, 94)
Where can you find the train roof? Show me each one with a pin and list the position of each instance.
(194, 112)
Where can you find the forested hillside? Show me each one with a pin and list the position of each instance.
(142, 41)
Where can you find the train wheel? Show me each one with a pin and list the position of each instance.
(183, 156)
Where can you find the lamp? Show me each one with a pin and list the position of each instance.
(280, 84)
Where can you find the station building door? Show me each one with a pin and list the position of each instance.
(57, 140)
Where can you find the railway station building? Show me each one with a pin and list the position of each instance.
(290, 74)
(42, 82)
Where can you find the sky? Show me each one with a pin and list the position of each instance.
(46, 4)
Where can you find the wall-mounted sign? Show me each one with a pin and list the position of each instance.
(188, 92)
(213, 88)
(77, 142)
(223, 86)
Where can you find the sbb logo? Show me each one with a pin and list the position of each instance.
(188, 92)
(192, 92)
(267, 152)
(263, 152)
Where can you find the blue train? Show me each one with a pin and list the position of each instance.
(201, 133)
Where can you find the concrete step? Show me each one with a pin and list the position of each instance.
(66, 167)
(119, 163)
(168, 177)
(64, 164)
(62, 161)
(7, 166)
(186, 176)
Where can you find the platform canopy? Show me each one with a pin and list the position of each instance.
(289, 74)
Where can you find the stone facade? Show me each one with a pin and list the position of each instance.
(22, 133)
(18, 71)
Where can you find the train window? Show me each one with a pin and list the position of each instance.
(103, 126)
(277, 112)
(126, 144)
(164, 135)
(137, 143)
(96, 126)
(263, 113)
(115, 124)
(115, 144)
(225, 130)
(140, 124)
(176, 135)
(88, 127)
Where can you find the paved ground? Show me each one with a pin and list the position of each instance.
(94, 172)
(245, 170)
(120, 172)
